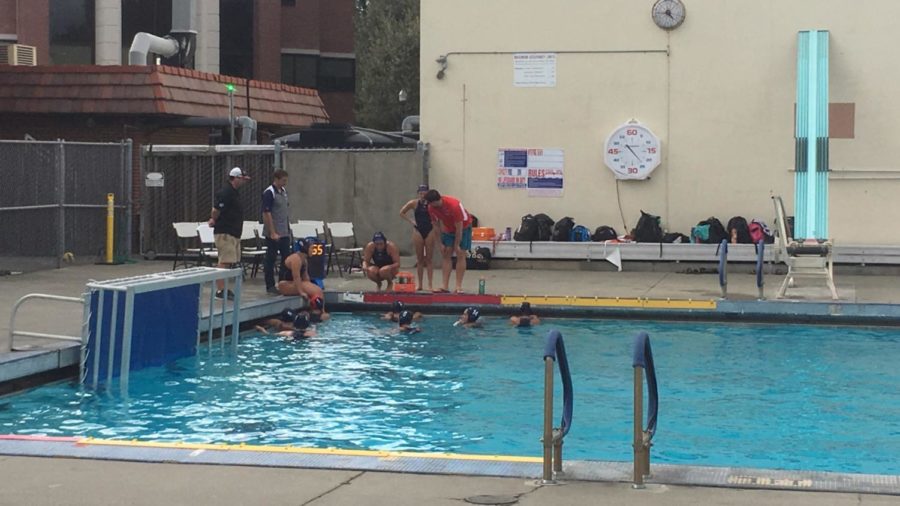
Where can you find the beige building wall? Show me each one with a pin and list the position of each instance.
(719, 92)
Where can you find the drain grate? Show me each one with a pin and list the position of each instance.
(492, 499)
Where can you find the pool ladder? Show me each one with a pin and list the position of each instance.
(642, 361)
(555, 351)
(722, 252)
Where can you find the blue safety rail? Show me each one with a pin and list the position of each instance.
(722, 251)
(760, 255)
(556, 349)
(642, 356)
(811, 134)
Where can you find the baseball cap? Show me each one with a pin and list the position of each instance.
(238, 172)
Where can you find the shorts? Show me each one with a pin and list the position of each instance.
(229, 248)
(465, 242)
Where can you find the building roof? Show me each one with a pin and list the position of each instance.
(152, 90)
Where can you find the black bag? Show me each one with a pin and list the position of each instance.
(676, 238)
(480, 260)
(716, 231)
(528, 229)
(739, 227)
(648, 229)
(604, 233)
(562, 229)
(545, 227)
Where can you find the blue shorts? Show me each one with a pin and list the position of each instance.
(465, 242)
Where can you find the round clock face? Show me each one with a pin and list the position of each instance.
(668, 14)
(632, 151)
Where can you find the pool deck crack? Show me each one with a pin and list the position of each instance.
(655, 284)
(332, 489)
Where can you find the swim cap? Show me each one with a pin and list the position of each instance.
(299, 334)
(422, 188)
(525, 308)
(473, 313)
(316, 302)
(286, 315)
(406, 317)
(301, 321)
(379, 237)
(397, 307)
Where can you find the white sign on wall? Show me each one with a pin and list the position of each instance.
(536, 169)
(534, 70)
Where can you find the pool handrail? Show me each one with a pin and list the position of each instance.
(760, 263)
(42, 335)
(722, 252)
(555, 351)
(642, 362)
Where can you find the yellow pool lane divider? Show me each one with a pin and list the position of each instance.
(617, 302)
(304, 450)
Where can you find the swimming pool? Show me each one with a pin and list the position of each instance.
(784, 397)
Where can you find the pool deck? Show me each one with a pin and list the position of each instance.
(579, 288)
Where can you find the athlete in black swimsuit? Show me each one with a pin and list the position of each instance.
(423, 239)
(381, 261)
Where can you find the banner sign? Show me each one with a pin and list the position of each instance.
(539, 170)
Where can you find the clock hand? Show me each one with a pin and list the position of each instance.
(632, 152)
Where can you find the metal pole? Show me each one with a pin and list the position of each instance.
(85, 330)
(110, 225)
(98, 339)
(224, 301)
(129, 202)
(212, 307)
(557, 454)
(231, 113)
(548, 421)
(277, 153)
(61, 198)
(126, 341)
(110, 361)
(638, 443)
(235, 312)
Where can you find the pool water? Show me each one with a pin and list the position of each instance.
(785, 397)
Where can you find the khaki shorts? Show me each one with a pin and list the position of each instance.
(229, 248)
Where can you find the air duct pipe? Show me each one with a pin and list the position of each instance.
(145, 43)
(180, 42)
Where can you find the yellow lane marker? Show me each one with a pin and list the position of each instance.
(707, 304)
(304, 450)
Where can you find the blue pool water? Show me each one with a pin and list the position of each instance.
(787, 397)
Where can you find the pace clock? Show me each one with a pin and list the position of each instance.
(668, 14)
(632, 151)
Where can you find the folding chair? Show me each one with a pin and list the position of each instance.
(342, 231)
(802, 260)
(317, 225)
(207, 244)
(256, 251)
(185, 233)
(303, 229)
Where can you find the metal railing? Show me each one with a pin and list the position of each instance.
(57, 337)
(760, 263)
(642, 361)
(723, 267)
(555, 350)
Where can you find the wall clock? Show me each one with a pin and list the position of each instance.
(668, 14)
(632, 151)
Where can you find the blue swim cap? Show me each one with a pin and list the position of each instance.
(406, 317)
(397, 307)
(301, 321)
(473, 313)
(379, 237)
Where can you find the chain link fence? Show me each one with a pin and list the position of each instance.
(53, 201)
(182, 184)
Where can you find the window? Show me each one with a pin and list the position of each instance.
(150, 16)
(72, 32)
(299, 69)
(337, 74)
(236, 38)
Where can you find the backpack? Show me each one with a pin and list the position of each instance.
(676, 238)
(700, 234)
(528, 229)
(580, 234)
(562, 229)
(759, 231)
(545, 227)
(604, 233)
(738, 228)
(715, 231)
(480, 260)
(647, 229)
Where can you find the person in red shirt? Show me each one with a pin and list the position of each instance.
(456, 234)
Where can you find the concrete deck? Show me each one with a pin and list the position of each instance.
(54, 481)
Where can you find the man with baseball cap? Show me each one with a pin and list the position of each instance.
(227, 220)
(381, 261)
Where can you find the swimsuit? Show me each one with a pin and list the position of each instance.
(380, 258)
(287, 275)
(423, 219)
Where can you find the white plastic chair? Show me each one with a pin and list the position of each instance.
(185, 233)
(303, 229)
(342, 230)
(207, 243)
(314, 228)
(252, 231)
